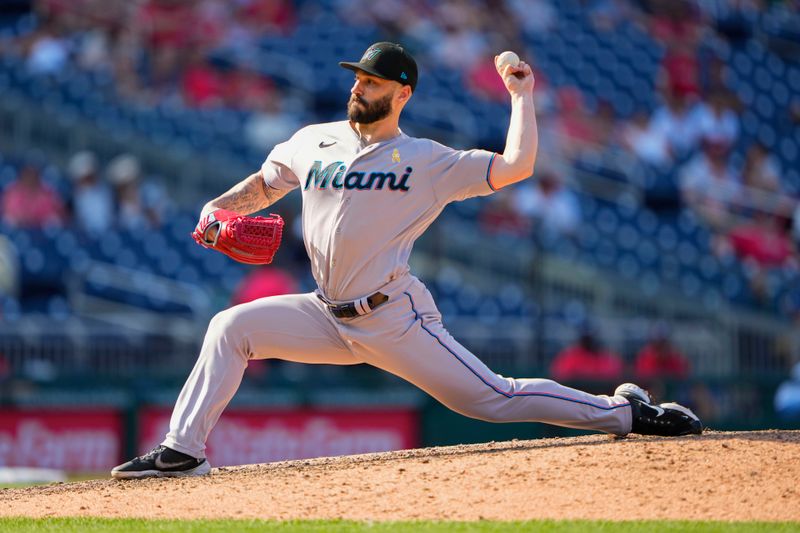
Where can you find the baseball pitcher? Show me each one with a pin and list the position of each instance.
(369, 191)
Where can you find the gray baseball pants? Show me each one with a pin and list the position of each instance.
(404, 336)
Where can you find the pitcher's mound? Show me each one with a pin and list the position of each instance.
(716, 476)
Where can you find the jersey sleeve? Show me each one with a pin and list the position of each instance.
(278, 169)
(460, 174)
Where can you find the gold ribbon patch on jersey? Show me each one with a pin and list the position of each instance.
(396, 156)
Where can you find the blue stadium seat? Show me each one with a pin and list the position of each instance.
(647, 253)
(468, 299)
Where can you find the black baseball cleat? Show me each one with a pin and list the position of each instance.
(161, 462)
(666, 419)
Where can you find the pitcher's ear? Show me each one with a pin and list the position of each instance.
(405, 93)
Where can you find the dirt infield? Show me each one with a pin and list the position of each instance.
(719, 476)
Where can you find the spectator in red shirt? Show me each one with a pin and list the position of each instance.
(674, 21)
(762, 244)
(273, 16)
(247, 89)
(680, 71)
(167, 29)
(586, 359)
(762, 241)
(202, 84)
(31, 203)
(165, 23)
(660, 359)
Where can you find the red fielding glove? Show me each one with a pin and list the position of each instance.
(251, 240)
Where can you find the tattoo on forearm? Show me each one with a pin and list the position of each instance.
(272, 195)
(249, 196)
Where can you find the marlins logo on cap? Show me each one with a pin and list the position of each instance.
(371, 54)
(389, 61)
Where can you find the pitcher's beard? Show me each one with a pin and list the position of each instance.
(367, 113)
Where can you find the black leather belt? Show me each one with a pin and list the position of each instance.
(359, 307)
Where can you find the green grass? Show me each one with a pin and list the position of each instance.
(14, 525)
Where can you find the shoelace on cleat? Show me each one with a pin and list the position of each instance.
(152, 453)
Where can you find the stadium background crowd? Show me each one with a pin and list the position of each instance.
(669, 140)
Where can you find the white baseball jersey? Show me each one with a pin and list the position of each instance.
(364, 206)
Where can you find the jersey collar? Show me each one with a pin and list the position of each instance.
(356, 135)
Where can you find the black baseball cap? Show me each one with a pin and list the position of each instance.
(389, 61)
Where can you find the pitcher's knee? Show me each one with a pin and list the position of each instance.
(224, 332)
(221, 322)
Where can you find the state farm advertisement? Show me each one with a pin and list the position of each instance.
(263, 436)
(72, 440)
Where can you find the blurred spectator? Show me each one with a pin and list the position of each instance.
(386, 14)
(48, 50)
(269, 123)
(29, 202)
(787, 397)
(659, 359)
(762, 240)
(167, 28)
(262, 282)
(499, 216)
(268, 16)
(96, 31)
(504, 30)
(247, 89)
(202, 84)
(607, 125)
(138, 205)
(545, 201)
(576, 126)
(93, 50)
(764, 188)
(586, 359)
(762, 244)
(680, 71)
(214, 20)
(714, 118)
(166, 24)
(674, 121)
(462, 42)
(761, 170)
(608, 15)
(709, 186)
(715, 78)
(127, 55)
(537, 17)
(673, 21)
(647, 143)
(92, 202)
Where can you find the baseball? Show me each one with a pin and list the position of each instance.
(507, 58)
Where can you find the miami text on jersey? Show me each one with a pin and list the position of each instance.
(334, 175)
